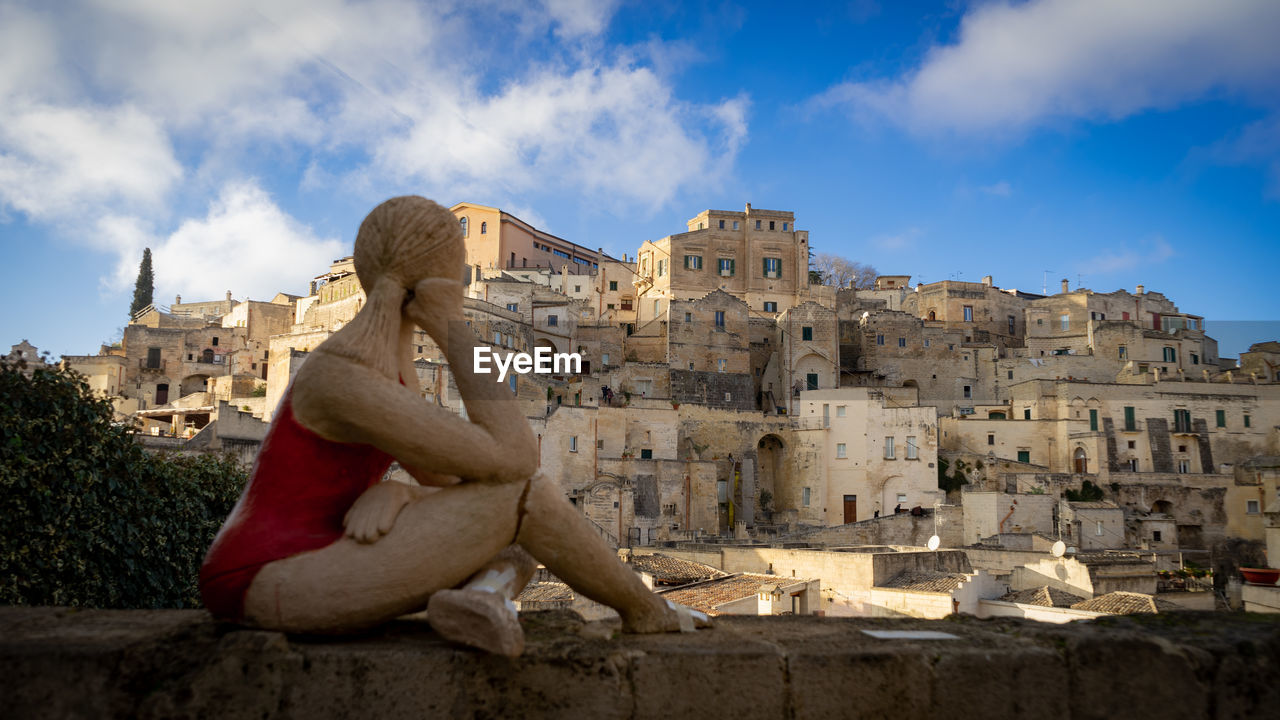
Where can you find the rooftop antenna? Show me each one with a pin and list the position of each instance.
(1044, 284)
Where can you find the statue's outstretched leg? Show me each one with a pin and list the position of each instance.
(554, 532)
(481, 612)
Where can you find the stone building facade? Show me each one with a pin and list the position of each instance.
(720, 392)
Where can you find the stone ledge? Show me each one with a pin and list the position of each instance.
(59, 662)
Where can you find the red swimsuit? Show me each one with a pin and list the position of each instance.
(298, 493)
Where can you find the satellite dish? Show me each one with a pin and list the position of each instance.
(1059, 548)
(934, 542)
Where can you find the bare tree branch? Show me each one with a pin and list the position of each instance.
(841, 272)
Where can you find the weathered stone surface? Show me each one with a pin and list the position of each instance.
(62, 663)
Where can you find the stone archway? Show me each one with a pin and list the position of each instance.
(608, 504)
(1080, 461)
(770, 457)
(193, 384)
(813, 372)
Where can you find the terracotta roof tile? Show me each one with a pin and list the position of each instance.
(1121, 602)
(674, 571)
(925, 581)
(710, 594)
(538, 592)
(1044, 596)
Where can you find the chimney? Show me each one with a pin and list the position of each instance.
(748, 208)
(228, 296)
(177, 300)
(1141, 289)
(1065, 289)
(986, 280)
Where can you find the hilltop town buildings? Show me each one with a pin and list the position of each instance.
(723, 393)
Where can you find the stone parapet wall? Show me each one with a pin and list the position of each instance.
(148, 664)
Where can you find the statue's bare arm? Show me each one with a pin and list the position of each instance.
(496, 445)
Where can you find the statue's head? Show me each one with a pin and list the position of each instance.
(407, 239)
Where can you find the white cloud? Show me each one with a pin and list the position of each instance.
(1150, 252)
(1016, 66)
(114, 112)
(903, 240)
(998, 189)
(55, 161)
(28, 52)
(1256, 144)
(610, 131)
(245, 244)
(581, 17)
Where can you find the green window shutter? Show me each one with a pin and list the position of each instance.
(733, 265)
(1129, 423)
(1024, 456)
(1222, 418)
(1093, 420)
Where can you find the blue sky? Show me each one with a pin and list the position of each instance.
(1111, 142)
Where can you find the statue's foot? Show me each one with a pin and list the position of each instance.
(670, 617)
(477, 618)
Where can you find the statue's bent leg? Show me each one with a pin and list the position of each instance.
(438, 541)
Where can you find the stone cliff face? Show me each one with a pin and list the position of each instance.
(59, 662)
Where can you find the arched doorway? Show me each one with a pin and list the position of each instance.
(813, 372)
(606, 503)
(769, 458)
(206, 356)
(1080, 461)
(193, 384)
(996, 415)
(933, 315)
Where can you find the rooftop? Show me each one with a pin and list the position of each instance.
(674, 571)
(938, 582)
(711, 594)
(540, 592)
(1044, 596)
(1125, 603)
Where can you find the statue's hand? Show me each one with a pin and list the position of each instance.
(374, 513)
(436, 303)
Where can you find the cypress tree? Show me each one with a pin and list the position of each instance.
(145, 285)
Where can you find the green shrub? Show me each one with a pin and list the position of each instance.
(1088, 493)
(87, 517)
(954, 481)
